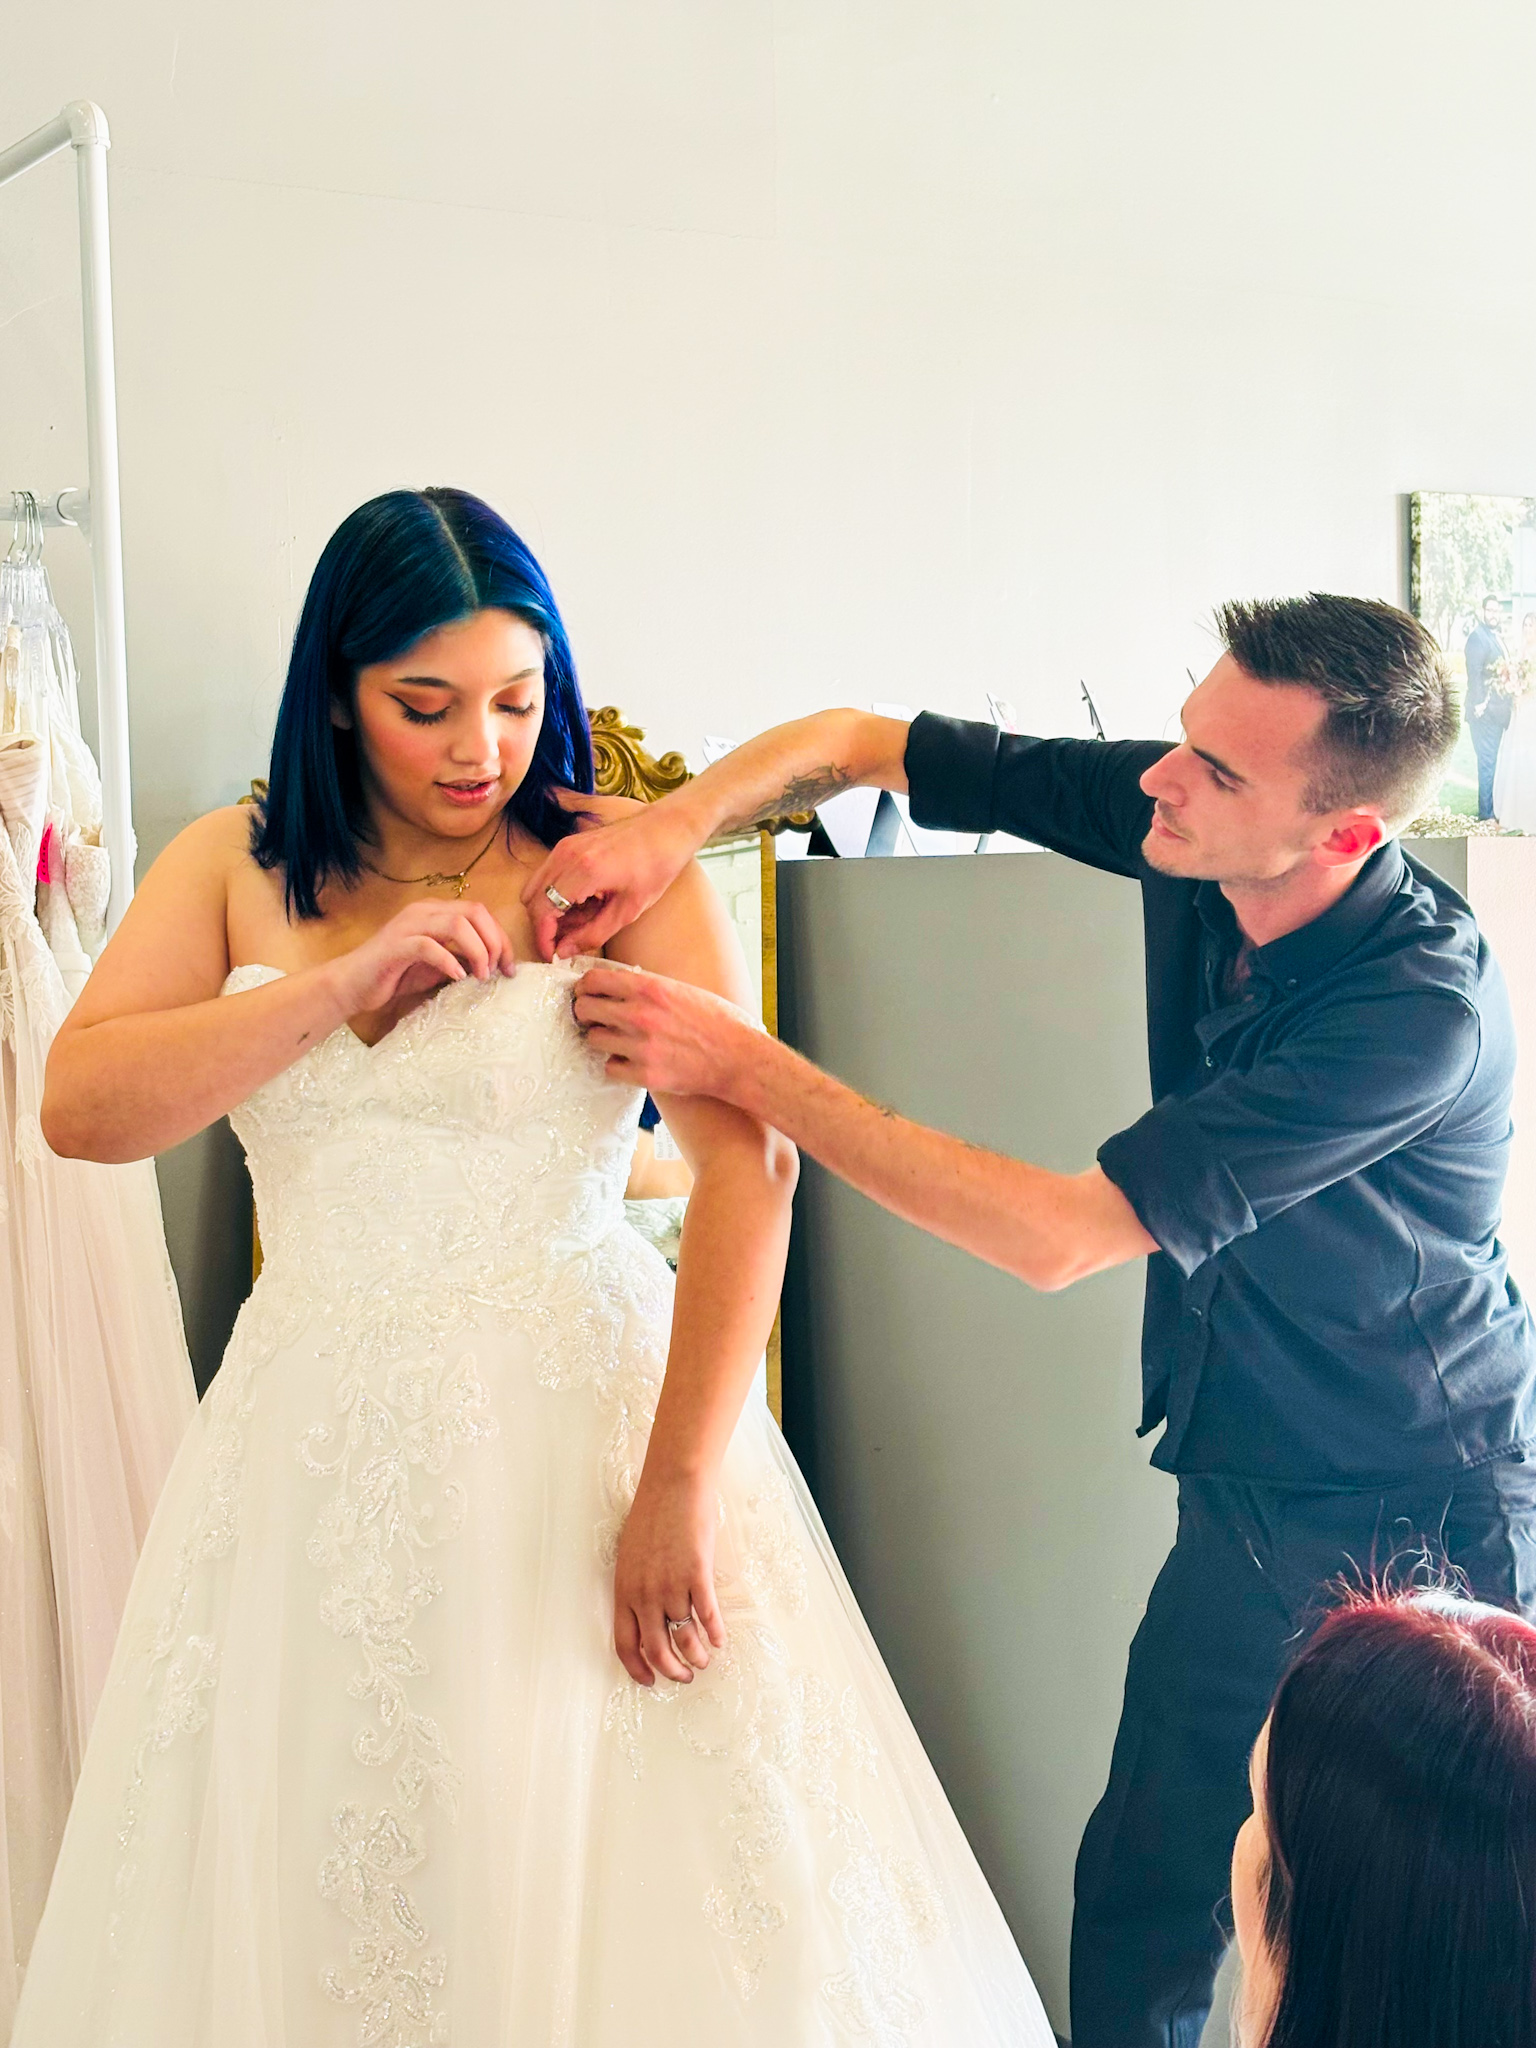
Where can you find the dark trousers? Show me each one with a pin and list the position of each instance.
(1245, 1583)
(1485, 744)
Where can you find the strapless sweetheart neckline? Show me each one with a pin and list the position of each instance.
(578, 963)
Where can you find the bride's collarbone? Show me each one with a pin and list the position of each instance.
(258, 926)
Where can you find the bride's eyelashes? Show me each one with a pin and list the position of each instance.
(415, 717)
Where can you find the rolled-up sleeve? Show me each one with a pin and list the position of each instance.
(1356, 1083)
(1082, 798)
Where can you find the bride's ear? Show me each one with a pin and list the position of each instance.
(341, 713)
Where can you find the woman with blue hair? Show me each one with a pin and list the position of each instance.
(487, 1675)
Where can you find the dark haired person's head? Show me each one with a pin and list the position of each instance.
(1319, 732)
(1493, 610)
(430, 676)
(1382, 1890)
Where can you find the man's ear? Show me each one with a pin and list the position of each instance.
(1355, 836)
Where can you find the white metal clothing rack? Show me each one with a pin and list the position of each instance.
(82, 126)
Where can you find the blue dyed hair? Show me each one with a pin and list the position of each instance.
(395, 570)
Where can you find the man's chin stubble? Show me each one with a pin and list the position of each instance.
(1155, 852)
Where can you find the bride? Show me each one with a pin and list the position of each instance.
(487, 1675)
(1514, 782)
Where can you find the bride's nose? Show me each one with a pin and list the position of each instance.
(475, 743)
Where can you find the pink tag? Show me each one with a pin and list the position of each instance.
(47, 864)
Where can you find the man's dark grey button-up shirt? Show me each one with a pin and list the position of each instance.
(1323, 1164)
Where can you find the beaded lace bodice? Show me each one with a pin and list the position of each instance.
(479, 1131)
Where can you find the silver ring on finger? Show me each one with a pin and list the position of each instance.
(674, 1626)
(561, 903)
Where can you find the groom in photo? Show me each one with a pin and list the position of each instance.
(1340, 1364)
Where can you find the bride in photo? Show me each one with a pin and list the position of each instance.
(487, 1676)
(1514, 780)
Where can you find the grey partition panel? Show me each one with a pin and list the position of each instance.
(970, 1442)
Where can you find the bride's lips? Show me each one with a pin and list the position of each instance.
(467, 795)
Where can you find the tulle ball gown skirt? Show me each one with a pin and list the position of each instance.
(367, 1770)
(1514, 780)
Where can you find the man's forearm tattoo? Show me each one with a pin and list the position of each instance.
(803, 793)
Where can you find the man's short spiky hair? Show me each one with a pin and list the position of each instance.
(1391, 712)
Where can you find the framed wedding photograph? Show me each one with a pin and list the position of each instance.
(1472, 582)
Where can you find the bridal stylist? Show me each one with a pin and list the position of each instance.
(1342, 1367)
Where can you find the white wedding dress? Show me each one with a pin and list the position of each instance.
(1514, 779)
(367, 1770)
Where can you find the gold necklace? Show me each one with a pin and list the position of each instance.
(461, 879)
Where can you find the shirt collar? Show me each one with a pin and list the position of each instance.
(1308, 953)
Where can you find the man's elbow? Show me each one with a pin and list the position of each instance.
(1051, 1272)
(1094, 1228)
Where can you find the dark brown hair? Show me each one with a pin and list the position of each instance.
(1400, 1803)
(1392, 714)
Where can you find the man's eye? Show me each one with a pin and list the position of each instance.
(422, 717)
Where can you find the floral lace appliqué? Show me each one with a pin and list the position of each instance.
(393, 1982)
(787, 1735)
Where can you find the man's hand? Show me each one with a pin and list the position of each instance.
(1048, 1229)
(665, 1036)
(609, 875)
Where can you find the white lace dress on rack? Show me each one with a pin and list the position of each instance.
(95, 1393)
(40, 701)
(367, 1770)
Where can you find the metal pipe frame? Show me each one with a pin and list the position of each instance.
(82, 126)
(69, 507)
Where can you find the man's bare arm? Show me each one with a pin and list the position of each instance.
(610, 874)
(1047, 1229)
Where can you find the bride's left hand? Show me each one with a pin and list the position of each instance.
(665, 1571)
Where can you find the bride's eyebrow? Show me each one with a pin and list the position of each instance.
(437, 683)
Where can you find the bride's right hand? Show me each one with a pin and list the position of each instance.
(424, 945)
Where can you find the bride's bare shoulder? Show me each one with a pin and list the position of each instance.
(172, 946)
(223, 834)
(208, 867)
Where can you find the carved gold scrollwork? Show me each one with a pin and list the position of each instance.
(623, 767)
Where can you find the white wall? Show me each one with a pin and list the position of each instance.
(823, 351)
